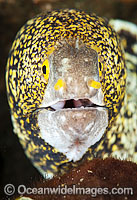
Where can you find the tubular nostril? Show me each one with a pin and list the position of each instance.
(94, 84)
(60, 84)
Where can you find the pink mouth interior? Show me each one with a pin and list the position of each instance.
(72, 104)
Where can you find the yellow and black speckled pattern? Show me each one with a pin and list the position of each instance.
(36, 39)
(25, 88)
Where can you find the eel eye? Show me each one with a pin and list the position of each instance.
(45, 70)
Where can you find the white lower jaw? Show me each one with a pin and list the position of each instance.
(61, 128)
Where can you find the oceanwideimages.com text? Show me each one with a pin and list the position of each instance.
(9, 189)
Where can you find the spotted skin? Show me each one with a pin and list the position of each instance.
(36, 40)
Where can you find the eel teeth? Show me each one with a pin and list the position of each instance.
(72, 103)
(59, 105)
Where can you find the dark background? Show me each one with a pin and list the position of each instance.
(15, 168)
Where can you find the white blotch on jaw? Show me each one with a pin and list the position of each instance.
(71, 129)
(63, 118)
(88, 127)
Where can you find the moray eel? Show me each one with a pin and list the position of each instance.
(66, 83)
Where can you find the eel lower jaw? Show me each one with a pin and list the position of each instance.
(72, 126)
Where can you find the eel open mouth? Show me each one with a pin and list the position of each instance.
(72, 103)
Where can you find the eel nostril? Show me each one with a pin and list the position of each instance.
(59, 84)
(94, 84)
